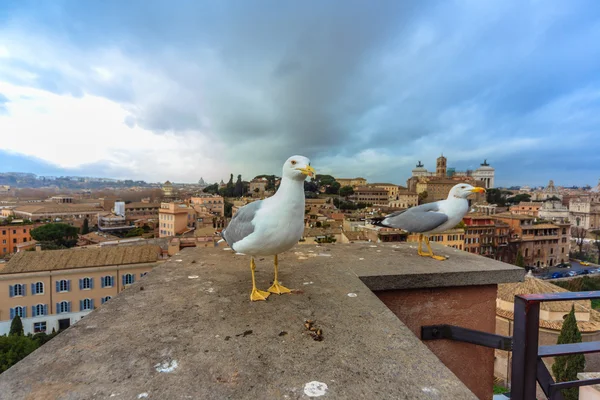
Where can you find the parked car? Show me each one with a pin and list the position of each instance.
(563, 265)
(594, 271)
(571, 273)
(556, 275)
(583, 272)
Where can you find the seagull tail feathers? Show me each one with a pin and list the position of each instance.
(378, 221)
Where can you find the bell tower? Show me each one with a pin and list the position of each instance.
(440, 168)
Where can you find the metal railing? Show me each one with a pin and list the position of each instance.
(528, 368)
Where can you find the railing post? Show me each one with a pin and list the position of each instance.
(525, 349)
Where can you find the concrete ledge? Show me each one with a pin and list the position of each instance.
(188, 330)
(392, 267)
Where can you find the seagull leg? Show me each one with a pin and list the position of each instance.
(439, 258)
(420, 249)
(256, 294)
(276, 287)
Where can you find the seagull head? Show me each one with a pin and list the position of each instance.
(298, 168)
(464, 190)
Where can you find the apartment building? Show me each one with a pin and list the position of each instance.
(484, 235)
(215, 204)
(541, 244)
(391, 189)
(531, 208)
(140, 209)
(454, 238)
(352, 182)
(56, 288)
(56, 210)
(405, 199)
(13, 234)
(174, 219)
(370, 195)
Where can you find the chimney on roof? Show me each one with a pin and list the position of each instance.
(38, 247)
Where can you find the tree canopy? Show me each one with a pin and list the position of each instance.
(566, 368)
(214, 188)
(346, 191)
(519, 198)
(16, 327)
(55, 235)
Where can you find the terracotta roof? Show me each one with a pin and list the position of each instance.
(312, 232)
(543, 226)
(369, 189)
(94, 236)
(529, 204)
(52, 260)
(141, 204)
(355, 236)
(507, 292)
(57, 208)
(584, 326)
(512, 216)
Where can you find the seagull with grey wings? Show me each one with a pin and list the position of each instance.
(430, 218)
(271, 226)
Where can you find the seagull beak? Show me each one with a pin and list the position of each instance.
(478, 190)
(308, 170)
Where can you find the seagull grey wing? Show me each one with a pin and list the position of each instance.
(241, 225)
(418, 219)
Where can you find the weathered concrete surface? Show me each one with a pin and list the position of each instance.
(472, 307)
(404, 269)
(195, 312)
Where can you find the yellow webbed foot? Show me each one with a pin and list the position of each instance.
(258, 295)
(278, 289)
(439, 258)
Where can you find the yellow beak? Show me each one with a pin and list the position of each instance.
(308, 170)
(478, 190)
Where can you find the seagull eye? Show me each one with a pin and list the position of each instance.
(293, 162)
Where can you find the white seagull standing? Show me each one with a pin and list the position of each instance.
(273, 225)
(432, 217)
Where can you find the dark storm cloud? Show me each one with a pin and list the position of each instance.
(503, 80)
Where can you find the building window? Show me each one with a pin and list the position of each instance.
(39, 327)
(86, 304)
(15, 240)
(107, 281)
(40, 309)
(128, 279)
(17, 290)
(37, 288)
(24, 230)
(63, 307)
(18, 311)
(63, 285)
(86, 283)
(105, 299)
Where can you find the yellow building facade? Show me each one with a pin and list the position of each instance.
(54, 289)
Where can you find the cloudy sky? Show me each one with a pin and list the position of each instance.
(176, 90)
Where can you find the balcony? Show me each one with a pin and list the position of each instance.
(188, 330)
